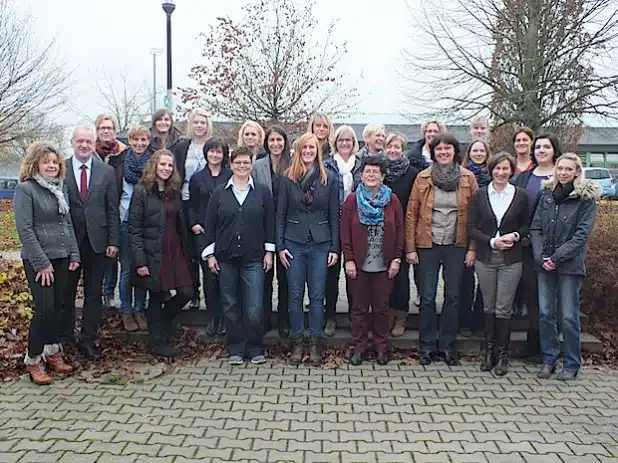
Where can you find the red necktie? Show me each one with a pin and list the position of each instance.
(83, 186)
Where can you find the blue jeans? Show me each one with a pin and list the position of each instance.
(566, 289)
(242, 290)
(451, 259)
(126, 273)
(110, 278)
(310, 265)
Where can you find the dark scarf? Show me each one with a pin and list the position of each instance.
(445, 178)
(396, 168)
(105, 149)
(480, 172)
(562, 192)
(309, 183)
(134, 165)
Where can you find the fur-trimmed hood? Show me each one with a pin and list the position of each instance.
(586, 189)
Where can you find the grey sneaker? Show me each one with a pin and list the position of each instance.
(235, 360)
(258, 360)
(329, 329)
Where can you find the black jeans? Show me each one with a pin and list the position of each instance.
(400, 295)
(470, 302)
(444, 334)
(332, 290)
(93, 267)
(194, 258)
(45, 323)
(282, 295)
(212, 293)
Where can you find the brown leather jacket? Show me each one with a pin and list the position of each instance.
(420, 206)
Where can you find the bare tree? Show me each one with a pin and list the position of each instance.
(34, 128)
(541, 63)
(270, 67)
(32, 80)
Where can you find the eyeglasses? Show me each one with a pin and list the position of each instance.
(345, 140)
(109, 129)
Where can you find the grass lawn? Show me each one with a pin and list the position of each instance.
(8, 234)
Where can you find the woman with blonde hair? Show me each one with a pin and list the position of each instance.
(189, 157)
(158, 239)
(321, 126)
(251, 135)
(373, 135)
(345, 164)
(560, 230)
(307, 234)
(49, 252)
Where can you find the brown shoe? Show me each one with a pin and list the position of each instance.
(129, 323)
(399, 328)
(57, 363)
(38, 375)
(142, 323)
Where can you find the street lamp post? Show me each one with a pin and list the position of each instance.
(155, 52)
(169, 8)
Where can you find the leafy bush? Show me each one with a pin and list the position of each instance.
(9, 241)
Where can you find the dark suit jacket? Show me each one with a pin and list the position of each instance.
(296, 220)
(98, 216)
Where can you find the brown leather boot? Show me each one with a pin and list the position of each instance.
(142, 323)
(399, 328)
(57, 363)
(38, 375)
(129, 323)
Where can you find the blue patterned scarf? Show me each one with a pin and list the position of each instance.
(480, 172)
(134, 165)
(370, 207)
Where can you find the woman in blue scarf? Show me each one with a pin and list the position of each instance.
(372, 240)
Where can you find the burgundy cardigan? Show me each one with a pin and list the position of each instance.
(354, 234)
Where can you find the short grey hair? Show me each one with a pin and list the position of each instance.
(371, 129)
(85, 127)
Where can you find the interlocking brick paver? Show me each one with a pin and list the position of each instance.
(207, 411)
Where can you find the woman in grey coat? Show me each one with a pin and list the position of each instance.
(49, 251)
(560, 230)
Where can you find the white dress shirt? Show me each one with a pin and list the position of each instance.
(240, 195)
(500, 202)
(77, 171)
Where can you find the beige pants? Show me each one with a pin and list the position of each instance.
(498, 282)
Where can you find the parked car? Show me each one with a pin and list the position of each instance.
(7, 187)
(603, 177)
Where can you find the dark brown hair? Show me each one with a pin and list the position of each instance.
(171, 186)
(497, 159)
(448, 139)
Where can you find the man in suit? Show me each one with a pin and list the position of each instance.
(93, 199)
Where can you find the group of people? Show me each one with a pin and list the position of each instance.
(167, 207)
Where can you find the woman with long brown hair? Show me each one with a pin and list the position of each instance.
(158, 240)
(163, 133)
(307, 228)
(49, 251)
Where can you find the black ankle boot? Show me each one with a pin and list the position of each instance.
(297, 351)
(315, 352)
(504, 334)
(490, 343)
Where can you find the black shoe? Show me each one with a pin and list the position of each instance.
(165, 350)
(284, 330)
(425, 358)
(382, 358)
(297, 351)
(195, 303)
(356, 359)
(89, 350)
(315, 352)
(451, 359)
(211, 328)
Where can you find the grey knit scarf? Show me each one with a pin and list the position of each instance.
(55, 186)
(445, 178)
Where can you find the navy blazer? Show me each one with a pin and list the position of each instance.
(296, 221)
(98, 216)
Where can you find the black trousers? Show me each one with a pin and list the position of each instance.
(161, 312)
(529, 295)
(194, 258)
(212, 293)
(400, 295)
(45, 324)
(282, 294)
(332, 290)
(92, 268)
(470, 302)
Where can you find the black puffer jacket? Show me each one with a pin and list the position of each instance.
(146, 225)
(561, 231)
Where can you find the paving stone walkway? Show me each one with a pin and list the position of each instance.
(206, 411)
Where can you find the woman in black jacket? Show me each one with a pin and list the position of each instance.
(202, 184)
(307, 239)
(560, 230)
(497, 220)
(190, 158)
(158, 240)
(400, 176)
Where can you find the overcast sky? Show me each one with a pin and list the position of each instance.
(115, 35)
